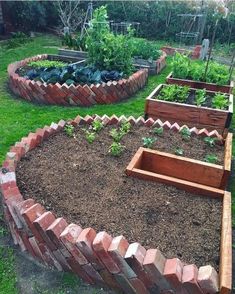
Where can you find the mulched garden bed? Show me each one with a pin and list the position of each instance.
(85, 184)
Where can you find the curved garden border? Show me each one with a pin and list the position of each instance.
(98, 258)
(87, 95)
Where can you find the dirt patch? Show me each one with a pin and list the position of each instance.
(86, 185)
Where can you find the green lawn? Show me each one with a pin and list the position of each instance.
(18, 118)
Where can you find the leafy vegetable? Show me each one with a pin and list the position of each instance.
(90, 136)
(220, 101)
(97, 126)
(210, 141)
(47, 63)
(145, 49)
(211, 158)
(69, 130)
(158, 131)
(116, 149)
(185, 133)
(200, 97)
(179, 151)
(148, 142)
(174, 93)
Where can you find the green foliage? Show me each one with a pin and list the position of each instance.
(97, 126)
(210, 141)
(69, 130)
(74, 42)
(185, 68)
(116, 149)
(90, 136)
(200, 97)
(185, 133)
(211, 158)
(72, 74)
(46, 63)
(158, 131)
(179, 151)
(125, 127)
(174, 93)
(105, 50)
(145, 49)
(220, 101)
(17, 40)
(148, 142)
(181, 66)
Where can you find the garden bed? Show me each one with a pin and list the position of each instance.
(73, 95)
(119, 199)
(201, 85)
(188, 112)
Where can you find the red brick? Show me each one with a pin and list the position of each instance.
(109, 279)
(41, 224)
(35, 247)
(135, 257)
(208, 279)
(173, 272)
(189, 279)
(11, 203)
(124, 284)
(84, 244)
(77, 269)
(154, 263)
(89, 269)
(100, 245)
(12, 192)
(69, 237)
(117, 251)
(139, 286)
(62, 260)
(54, 231)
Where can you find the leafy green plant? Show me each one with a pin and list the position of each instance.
(116, 149)
(107, 51)
(97, 126)
(210, 141)
(90, 136)
(211, 158)
(200, 97)
(46, 63)
(17, 40)
(116, 135)
(69, 130)
(179, 151)
(185, 133)
(148, 142)
(125, 127)
(158, 131)
(180, 66)
(174, 93)
(220, 101)
(145, 49)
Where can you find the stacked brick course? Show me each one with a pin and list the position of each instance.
(194, 54)
(87, 95)
(98, 258)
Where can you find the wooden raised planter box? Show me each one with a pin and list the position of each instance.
(79, 55)
(196, 177)
(200, 85)
(191, 115)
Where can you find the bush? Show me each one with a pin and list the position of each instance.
(18, 39)
(105, 50)
(145, 49)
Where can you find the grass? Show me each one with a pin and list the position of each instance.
(19, 117)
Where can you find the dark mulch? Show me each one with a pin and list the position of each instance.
(86, 185)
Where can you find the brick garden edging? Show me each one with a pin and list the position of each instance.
(194, 53)
(87, 95)
(98, 258)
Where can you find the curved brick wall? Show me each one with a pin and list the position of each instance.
(97, 258)
(87, 95)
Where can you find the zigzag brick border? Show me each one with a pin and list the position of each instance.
(87, 95)
(97, 258)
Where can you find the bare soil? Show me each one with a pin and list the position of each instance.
(88, 186)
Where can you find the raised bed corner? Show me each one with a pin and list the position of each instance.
(191, 115)
(200, 85)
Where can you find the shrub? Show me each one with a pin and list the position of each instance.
(145, 49)
(105, 50)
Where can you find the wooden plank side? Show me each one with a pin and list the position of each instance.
(226, 247)
(181, 184)
(213, 117)
(183, 168)
(172, 111)
(135, 161)
(228, 152)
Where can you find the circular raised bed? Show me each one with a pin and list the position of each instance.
(75, 95)
(99, 258)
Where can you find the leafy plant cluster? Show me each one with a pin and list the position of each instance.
(116, 148)
(74, 42)
(17, 39)
(220, 101)
(185, 68)
(145, 49)
(148, 142)
(72, 74)
(95, 128)
(46, 63)
(107, 51)
(174, 93)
